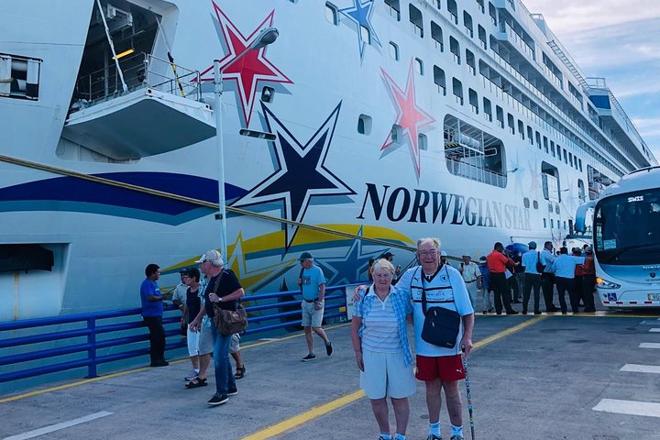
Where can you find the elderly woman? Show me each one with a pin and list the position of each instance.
(382, 352)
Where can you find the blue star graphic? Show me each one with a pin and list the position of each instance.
(350, 267)
(360, 13)
(300, 172)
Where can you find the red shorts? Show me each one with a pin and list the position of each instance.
(445, 368)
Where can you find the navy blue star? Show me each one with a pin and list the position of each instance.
(350, 267)
(360, 14)
(300, 171)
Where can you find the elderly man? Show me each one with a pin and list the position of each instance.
(312, 284)
(223, 289)
(440, 368)
(471, 274)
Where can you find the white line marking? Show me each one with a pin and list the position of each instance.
(631, 407)
(649, 345)
(636, 368)
(655, 330)
(58, 426)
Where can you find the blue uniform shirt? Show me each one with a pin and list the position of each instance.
(312, 279)
(149, 308)
(564, 265)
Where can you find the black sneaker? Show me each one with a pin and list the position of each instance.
(511, 312)
(328, 348)
(218, 399)
(232, 392)
(433, 437)
(456, 437)
(309, 357)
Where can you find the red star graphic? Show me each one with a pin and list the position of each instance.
(410, 117)
(251, 69)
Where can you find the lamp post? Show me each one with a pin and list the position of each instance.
(265, 37)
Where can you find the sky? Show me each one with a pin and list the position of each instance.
(620, 41)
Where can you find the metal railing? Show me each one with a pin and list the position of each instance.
(267, 312)
(141, 70)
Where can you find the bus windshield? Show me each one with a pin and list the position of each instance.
(627, 228)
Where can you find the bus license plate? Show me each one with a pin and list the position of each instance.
(654, 296)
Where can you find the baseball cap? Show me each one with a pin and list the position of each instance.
(387, 254)
(212, 256)
(305, 256)
(443, 253)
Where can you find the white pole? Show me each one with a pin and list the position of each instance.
(112, 47)
(217, 104)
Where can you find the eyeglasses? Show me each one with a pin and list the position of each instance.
(430, 253)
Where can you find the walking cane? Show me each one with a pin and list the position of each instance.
(469, 395)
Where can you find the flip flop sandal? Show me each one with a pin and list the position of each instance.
(196, 383)
(240, 372)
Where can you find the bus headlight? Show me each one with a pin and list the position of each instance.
(604, 284)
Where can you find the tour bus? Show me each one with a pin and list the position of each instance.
(626, 238)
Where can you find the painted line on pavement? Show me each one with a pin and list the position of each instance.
(319, 411)
(655, 330)
(141, 369)
(58, 426)
(637, 368)
(630, 407)
(649, 345)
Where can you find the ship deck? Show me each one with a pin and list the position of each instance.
(547, 377)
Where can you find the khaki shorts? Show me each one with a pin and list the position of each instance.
(386, 375)
(206, 339)
(310, 316)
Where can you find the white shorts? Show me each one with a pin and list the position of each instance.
(386, 375)
(234, 345)
(310, 316)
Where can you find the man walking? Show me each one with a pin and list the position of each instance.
(532, 280)
(312, 283)
(547, 277)
(471, 275)
(152, 315)
(440, 368)
(497, 266)
(564, 270)
(223, 289)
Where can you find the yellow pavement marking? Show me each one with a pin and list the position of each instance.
(597, 314)
(319, 411)
(137, 370)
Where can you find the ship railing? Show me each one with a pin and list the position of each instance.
(140, 70)
(40, 346)
(480, 174)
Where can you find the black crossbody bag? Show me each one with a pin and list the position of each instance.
(441, 325)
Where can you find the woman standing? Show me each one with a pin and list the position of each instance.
(382, 352)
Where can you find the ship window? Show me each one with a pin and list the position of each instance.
(467, 22)
(530, 135)
(436, 35)
(19, 76)
(558, 151)
(552, 148)
(457, 88)
(545, 143)
(565, 156)
(455, 49)
(557, 210)
(474, 100)
(394, 133)
(521, 129)
(394, 51)
(550, 183)
(535, 204)
(564, 224)
(550, 208)
(499, 114)
(453, 10)
(25, 257)
(481, 6)
(552, 223)
(331, 13)
(422, 142)
(439, 80)
(488, 110)
(580, 164)
(364, 124)
(469, 60)
(482, 37)
(581, 192)
(510, 123)
(538, 140)
(526, 202)
(545, 222)
(570, 158)
(420, 66)
(438, 4)
(493, 13)
(474, 154)
(394, 9)
(416, 20)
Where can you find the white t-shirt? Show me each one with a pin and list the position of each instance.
(445, 289)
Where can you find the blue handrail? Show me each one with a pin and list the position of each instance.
(260, 320)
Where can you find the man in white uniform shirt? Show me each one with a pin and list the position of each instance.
(440, 368)
(471, 274)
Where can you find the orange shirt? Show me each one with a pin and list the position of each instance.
(497, 262)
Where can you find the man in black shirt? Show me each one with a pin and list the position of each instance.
(223, 289)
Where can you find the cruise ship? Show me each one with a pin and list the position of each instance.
(362, 126)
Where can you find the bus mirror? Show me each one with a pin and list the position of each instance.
(581, 216)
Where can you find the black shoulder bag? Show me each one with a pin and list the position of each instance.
(441, 325)
(539, 267)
